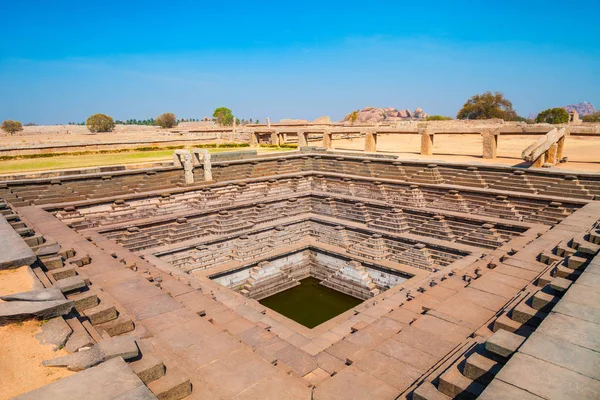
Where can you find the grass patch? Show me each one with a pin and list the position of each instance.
(94, 159)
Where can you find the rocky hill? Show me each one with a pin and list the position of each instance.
(389, 114)
(583, 108)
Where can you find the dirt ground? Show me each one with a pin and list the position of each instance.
(583, 152)
(14, 281)
(21, 357)
(21, 354)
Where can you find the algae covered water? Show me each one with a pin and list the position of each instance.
(310, 303)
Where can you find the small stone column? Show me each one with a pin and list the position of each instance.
(560, 147)
(275, 138)
(188, 168)
(490, 143)
(268, 123)
(302, 139)
(282, 139)
(328, 140)
(253, 139)
(207, 165)
(539, 163)
(426, 142)
(370, 142)
(551, 154)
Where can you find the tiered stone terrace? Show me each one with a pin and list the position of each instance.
(441, 254)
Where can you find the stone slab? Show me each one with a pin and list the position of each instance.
(14, 311)
(504, 343)
(354, 383)
(15, 252)
(56, 332)
(426, 391)
(547, 380)
(501, 390)
(78, 340)
(576, 310)
(97, 383)
(572, 330)
(70, 284)
(35, 295)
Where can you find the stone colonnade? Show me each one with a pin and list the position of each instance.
(187, 160)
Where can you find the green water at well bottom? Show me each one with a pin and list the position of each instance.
(310, 303)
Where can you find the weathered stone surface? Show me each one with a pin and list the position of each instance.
(501, 390)
(56, 332)
(47, 249)
(426, 391)
(70, 284)
(138, 393)
(101, 313)
(13, 311)
(108, 380)
(504, 343)
(149, 368)
(480, 368)
(78, 340)
(35, 295)
(15, 252)
(173, 386)
(119, 326)
(121, 346)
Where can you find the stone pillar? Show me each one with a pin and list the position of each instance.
(328, 140)
(540, 161)
(188, 168)
(268, 123)
(370, 142)
(282, 138)
(232, 131)
(275, 138)
(490, 144)
(551, 154)
(426, 143)
(560, 147)
(253, 139)
(302, 139)
(207, 165)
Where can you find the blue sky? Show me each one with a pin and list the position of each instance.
(61, 61)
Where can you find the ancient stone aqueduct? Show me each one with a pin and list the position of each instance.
(478, 281)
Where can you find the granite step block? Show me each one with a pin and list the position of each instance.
(149, 368)
(480, 368)
(427, 391)
(174, 385)
(84, 300)
(504, 343)
(119, 326)
(103, 312)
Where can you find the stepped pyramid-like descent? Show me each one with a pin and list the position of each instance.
(469, 177)
(338, 237)
(553, 213)
(452, 201)
(203, 257)
(436, 227)
(393, 221)
(431, 174)
(500, 207)
(484, 236)
(516, 182)
(569, 187)
(415, 197)
(226, 222)
(373, 248)
(352, 279)
(417, 256)
(265, 280)
(359, 212)
(282, 236)
(245, 249)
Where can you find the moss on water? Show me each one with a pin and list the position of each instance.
(310, 303)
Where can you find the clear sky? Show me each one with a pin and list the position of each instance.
(61, 60)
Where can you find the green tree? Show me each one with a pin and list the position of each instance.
(223, 116)
(553, 116)
(100, 123)
(595, 117)
(166, 120)
(487, 105)
(9, 126)
(352, 117)
(437, 118)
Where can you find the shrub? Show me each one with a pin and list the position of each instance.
(9, 126)
(553, 116)
(100, 123)
(438, 118)
(486, 106)
(595, 117)
(166, 120)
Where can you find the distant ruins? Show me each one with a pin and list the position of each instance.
(474, 281)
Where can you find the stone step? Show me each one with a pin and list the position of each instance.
(71, 284)
(503, 322)
(481, 369)
(457, 386)
(52, 263)
(567, 273)
(174, 385)
(560, 284)
(84, 300)
(63, 272)
(527, 315)
(122, 324)
(543, 301)
(148, 368)
(101, 313)
(574, 262)
(427, 391)
(504, 343)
